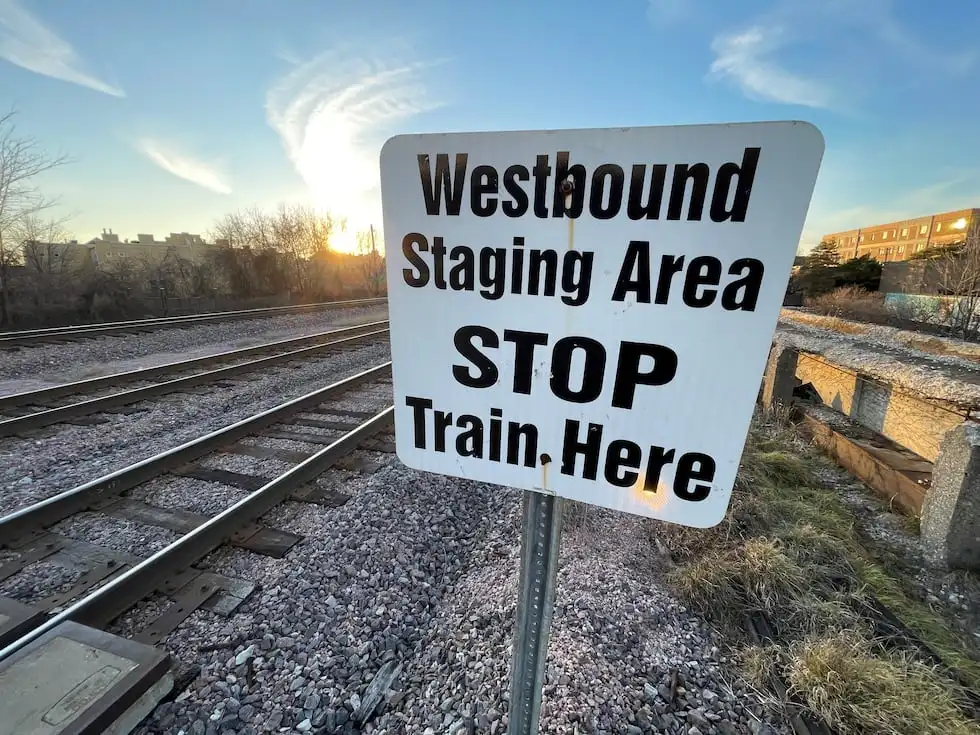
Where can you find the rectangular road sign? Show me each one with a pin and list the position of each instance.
(587, 313)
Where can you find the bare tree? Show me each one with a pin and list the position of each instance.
(958, 275)
(273, 253)
(235, 261)
(289, 228)
(45, 243)
(320, 228)
(951, 271)
(21, 162)
(229, 229)
(372, 263)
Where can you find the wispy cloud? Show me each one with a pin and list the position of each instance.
(184, 167)
(333, 114)
(747, 59)
(29, 44)
(851, 49)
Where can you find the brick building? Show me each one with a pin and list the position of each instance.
(900, 240)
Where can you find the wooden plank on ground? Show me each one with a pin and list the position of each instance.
(871, 460)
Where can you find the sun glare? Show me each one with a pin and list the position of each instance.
(344, 241)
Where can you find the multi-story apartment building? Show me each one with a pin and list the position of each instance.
(900, 240)
(108, 250)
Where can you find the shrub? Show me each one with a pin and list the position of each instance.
(852, 302)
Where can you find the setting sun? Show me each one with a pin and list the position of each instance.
(344, 241)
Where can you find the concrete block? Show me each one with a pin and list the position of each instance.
(780, 377)
(950, 524)
(75, 680)
(837, 388)
(913, 422)
(16, 619)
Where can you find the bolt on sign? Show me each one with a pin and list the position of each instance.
(587, 313)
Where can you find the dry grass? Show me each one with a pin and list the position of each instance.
(941, 347)
(858, 688)
(852, 303)
(921, 620)
(757, 575)
(789, 547)
(760, 663)
(575, 514)
(832, 323)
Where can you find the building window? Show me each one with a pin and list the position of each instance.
(919, 247)
(939, 226)
(861, 239)
(905, 232)
(924, 229)
(884, 235)
(901, 248)
(881, 251)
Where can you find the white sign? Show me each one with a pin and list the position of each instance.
(588, 312)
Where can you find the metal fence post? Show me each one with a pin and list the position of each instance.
(540, 542)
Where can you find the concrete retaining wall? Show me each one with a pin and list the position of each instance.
(913, 422)
(932, 309)
(926, 462)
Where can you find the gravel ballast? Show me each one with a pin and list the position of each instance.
(44, 364)
(421, 571)
(118, 534)
(186, 493)
(60, 457)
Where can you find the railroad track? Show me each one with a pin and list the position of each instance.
(79, 400)
(104, 582)
(28, 337)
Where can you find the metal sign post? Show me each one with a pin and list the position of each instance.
(540, 541)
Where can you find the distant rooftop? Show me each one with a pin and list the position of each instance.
(955, 214)
(174, 238)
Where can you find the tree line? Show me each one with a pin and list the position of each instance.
(255, 257)
(289, 251)
(822, 272)
(943, 282)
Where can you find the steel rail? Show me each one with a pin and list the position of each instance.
(125, 590)
(38, 419)
(89, 384)
(94, 494)
(32, 336)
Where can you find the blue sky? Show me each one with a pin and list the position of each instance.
(176, 113)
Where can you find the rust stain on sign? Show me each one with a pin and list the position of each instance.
(545, 464)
